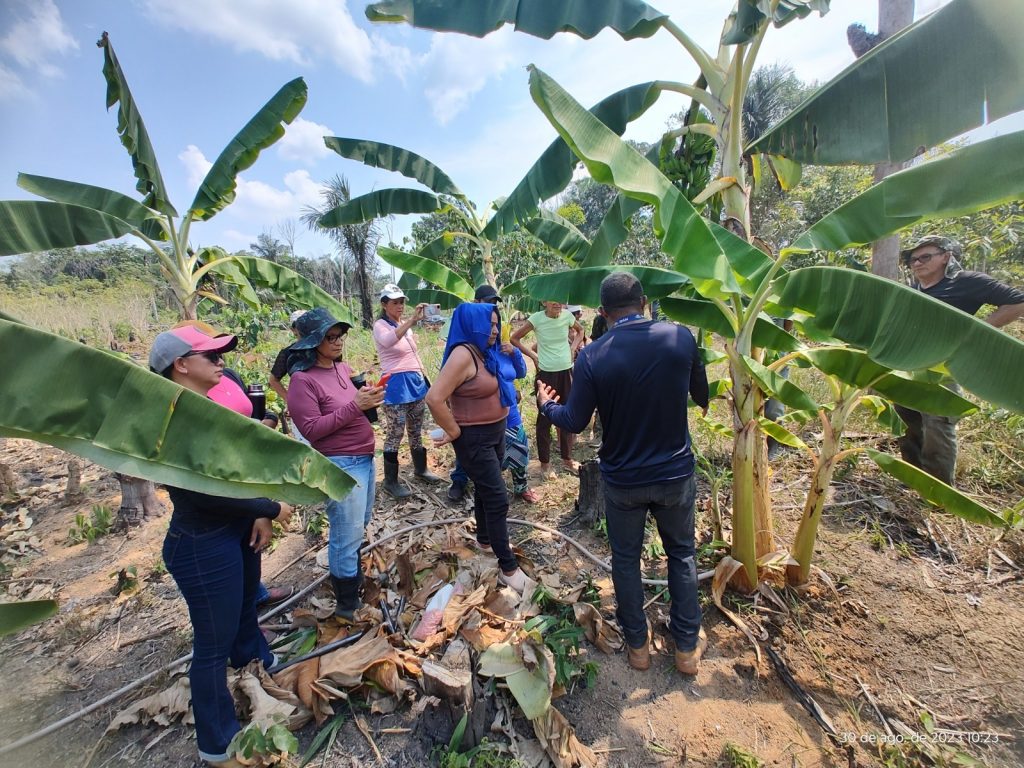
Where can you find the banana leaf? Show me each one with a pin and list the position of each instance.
(973, 178)
(936, 491)
(133, 133)
(951, 71)
(884, 414)
(543, 18)
(27, 226)
(611, 233)
(436, 247)
(431, 271)
(243, 271)
(780, 434)
(684, 234)
(749, 264)
(16, 616)
(857, 369)
(392, 158)
(583, 285)
(744, 22)
(782, 389)
(557, 233)
(218, 188)
(122, 417)
(906, 330)
(704, 314)
(97, 198)
(553, 170)
(378, 204)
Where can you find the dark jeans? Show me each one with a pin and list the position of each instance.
(480, 450)
(218, 574)
(929, 443)
(459, 476)
(561, 382)
(672, 506)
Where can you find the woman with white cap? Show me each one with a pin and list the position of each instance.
(212, 550)
(407, 385)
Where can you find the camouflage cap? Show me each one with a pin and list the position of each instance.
(947, 244)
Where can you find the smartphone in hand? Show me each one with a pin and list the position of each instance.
(383, 380)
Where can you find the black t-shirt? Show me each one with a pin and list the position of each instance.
(280, 367)
(969, 291)
(597, 330)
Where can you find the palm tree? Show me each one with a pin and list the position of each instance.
(358, 241)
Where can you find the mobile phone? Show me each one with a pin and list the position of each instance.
(383, 380)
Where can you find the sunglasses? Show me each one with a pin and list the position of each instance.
(334, 338)
(214, 357)
(924, 258)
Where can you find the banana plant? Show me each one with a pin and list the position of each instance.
(735, 282)
(548, 176)
(83, 214)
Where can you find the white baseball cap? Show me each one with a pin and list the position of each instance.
(392, 291)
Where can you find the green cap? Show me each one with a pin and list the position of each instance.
(945, 243)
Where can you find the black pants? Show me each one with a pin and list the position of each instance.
(672, 506)
(480, 450)
(561, 382)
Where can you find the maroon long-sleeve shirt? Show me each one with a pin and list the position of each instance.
(322, 404)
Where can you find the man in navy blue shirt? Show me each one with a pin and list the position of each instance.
(638, 376)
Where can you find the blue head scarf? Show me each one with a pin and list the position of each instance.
(471, 324)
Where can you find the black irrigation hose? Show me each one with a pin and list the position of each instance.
(56, 726)
(317, 652)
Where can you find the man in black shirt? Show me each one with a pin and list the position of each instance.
(930, 441)
(638, 376)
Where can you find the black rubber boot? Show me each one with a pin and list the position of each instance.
(419, 463)
(346, 595)
(456, 492)
(391, 482)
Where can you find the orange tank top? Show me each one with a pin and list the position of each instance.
(477, 400)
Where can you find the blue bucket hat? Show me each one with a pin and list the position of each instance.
(314, 325)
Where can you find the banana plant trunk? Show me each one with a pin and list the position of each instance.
(487, 262)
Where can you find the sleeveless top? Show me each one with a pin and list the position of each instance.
(477, 401)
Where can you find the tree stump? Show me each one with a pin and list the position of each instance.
(138, 501)
(73, 491)
(590, 502)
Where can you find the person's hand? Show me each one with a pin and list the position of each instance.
(262, 533)
(368, 397)
(285, 515)
(446, 438)
(507, 348)
(419, 312)
(545, 393)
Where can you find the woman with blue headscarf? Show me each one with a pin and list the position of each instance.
(470, 402)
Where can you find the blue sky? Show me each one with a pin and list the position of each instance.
(199, 69)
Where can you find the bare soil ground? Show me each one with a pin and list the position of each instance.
(917, 615)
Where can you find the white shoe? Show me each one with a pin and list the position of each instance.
(516, 580)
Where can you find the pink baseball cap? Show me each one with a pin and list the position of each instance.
(178, 342)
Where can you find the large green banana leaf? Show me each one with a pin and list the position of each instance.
(32, 225)
(431, 271)
(436, 247)
(133, 133)
(779, 387)
(553, 170)
(583, 285)
(946, 74)
(557, 233)
(540, 18)
(611, 233)
(705, 314)
(855, 368)
(245, 271)
(906, 330)
(121, 416)
(970, 179)
(380, 203)
(391, 158)
(750, 14)
(685, 235)
(16, 616)
(885, 414)
(265, 128)
(936, 491)
(99, 199)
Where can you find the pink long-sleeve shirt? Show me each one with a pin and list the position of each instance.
(397, 355)
(322, 404)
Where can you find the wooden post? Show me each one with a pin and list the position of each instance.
(590, 502)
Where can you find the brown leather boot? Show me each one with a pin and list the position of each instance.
(688, 662)
(639, 658)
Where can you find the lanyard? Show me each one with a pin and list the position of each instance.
(628, 319)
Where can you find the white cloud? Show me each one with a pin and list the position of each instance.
(303, 141)
(32, 42)
(257, 201)
(300, 32)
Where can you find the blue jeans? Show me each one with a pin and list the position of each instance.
(218, 574)
(348, 517)
(459, 476)
(672, 506)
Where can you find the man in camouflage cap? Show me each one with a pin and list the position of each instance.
(933, 262)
